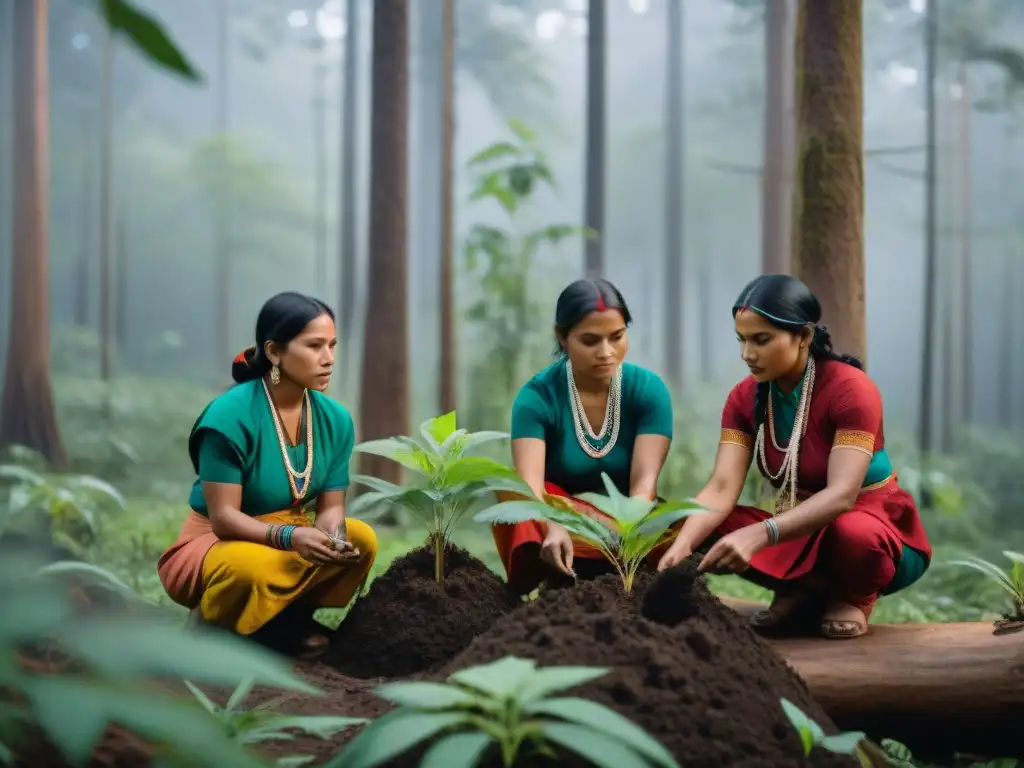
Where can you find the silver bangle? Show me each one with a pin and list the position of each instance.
(773, 531)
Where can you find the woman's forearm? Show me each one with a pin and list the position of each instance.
(813, 514)
(234, 525)
(698, 527)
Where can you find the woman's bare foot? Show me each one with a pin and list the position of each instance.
(843, 621)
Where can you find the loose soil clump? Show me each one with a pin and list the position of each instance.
(683, 666)
(407, 623)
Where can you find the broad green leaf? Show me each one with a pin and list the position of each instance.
(521, 130)
(1017, 557)
(607, 505)
(425, 695)
(60, 704)
(842, 743)
(471, 469)
(585, 528)
(391, 735)
(495, 151)
(378, 485)
(476, 439)
(397, 451)
(801, 721)
(440, 427)
(149, 37)
(459, 750)
(92, 573)
(518, 511)
(499, 678)
(366, 506)
(21, 475)
(138, 646)
(558, 679)
(101, 487)
(599, 749)
(40, 612)
(658, 524)
(429, 463)
(608, 722)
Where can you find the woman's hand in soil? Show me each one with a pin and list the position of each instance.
(316, 546)
(732, 552)
(557, 549)
(675, 554)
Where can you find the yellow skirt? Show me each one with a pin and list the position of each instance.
(241, 585)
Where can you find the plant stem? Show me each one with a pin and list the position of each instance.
(439, 543)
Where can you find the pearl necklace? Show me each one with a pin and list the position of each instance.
(789, 469)
(293, 476)
(584, 432)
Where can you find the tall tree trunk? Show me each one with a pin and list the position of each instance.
(926, 413)
(6, 162)
(674, 186)
(384, 399)
(320, 167)
(1005, 373)
(830, 235)
(27, 414)
(449, 367)
(349, 214)
(597, 17)
(966, 366)
(82, 271)
(778, 150)
(106, 240)
(221, 224)
(121, 286)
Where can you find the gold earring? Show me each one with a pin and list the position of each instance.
(275, 375)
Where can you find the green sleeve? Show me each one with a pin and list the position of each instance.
(530, 414)
(343, 440)
(654, 407)
(229, 417)
(218, 460)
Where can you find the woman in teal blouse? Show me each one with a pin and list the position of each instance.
(247, 552)
(586, 414)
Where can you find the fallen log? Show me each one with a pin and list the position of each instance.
(938, 688)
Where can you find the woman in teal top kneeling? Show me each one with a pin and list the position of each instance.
(247, 553)
(586, 414)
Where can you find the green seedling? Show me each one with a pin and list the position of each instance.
(851, 743)
(633, 527)
(508, 706)
(1011, 580)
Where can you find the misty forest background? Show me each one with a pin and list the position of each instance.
(177, 209)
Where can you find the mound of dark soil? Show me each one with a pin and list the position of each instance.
(684, 667)
(407, 623)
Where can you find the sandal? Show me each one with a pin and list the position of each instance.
(786, 607)
(843, 621)
(313, 646)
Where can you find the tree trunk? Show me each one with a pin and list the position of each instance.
(384, 400)
(107, 245)
(348, 216)
(830, 234)
(926, 410)
(82, 272)
(934, 687)
(966, 366)
(673, 288)
(121, 286)
(596, 132)
(448, 361)
(778, 150)
(221, 223)
(27, 414)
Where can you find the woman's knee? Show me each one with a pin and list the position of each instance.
(362, 536)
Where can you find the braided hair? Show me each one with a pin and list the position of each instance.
(787, 303)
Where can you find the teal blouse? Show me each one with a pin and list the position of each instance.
(542, 410)
(234, 440)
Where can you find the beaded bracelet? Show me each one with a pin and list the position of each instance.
(280, 536)
(773, 531)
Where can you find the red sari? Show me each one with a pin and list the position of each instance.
(857, 553)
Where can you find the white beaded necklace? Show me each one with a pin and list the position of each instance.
(294, 477)
(584, 432)
(791, 455)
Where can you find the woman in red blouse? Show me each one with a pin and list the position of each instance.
(842, 531)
